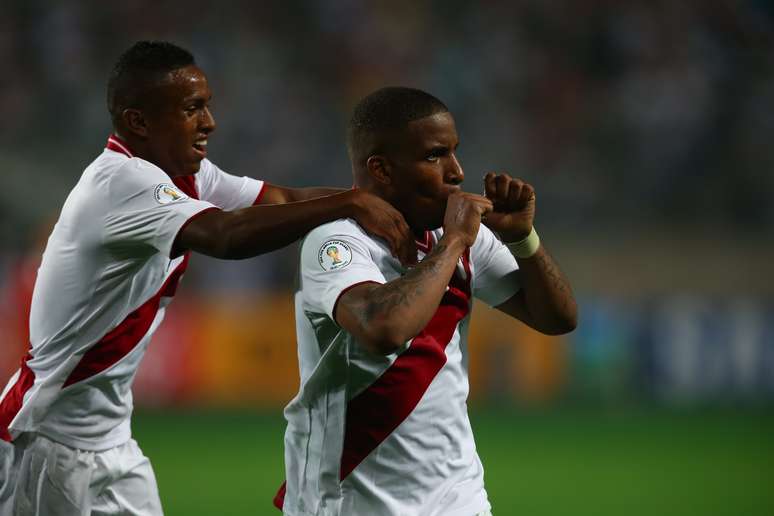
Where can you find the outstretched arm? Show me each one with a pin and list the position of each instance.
(274, 194)
(545, 301)
(384, 317)
(266, 227)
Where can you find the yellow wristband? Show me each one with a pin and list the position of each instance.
(526, 247)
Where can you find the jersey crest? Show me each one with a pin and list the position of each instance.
(334, 255)
(166, 193)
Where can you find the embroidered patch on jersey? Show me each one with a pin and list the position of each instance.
(334, 254)
(166, 193)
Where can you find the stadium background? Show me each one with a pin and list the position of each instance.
(645, 127)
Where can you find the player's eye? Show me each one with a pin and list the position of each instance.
(437, 154)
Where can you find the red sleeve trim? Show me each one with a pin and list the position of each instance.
(336, 304)
(175, 252)
(260, 194)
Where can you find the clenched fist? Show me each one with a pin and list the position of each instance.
(463, 215)
(514, 206)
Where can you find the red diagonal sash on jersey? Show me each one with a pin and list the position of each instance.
(12, 402)
(108, 351)
(119, 341)
(376, 412)
(123, 338)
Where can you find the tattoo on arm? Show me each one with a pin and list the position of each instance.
(401, 292)
(557, 281)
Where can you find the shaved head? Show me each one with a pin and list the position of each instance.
(138, 71)
(402, 143)
(377, 117)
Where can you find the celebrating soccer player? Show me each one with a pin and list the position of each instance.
(110, 268)
(380, 424)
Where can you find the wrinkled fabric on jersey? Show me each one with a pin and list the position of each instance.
(385, 435)
(105, 279)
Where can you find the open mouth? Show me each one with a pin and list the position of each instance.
(200, 147)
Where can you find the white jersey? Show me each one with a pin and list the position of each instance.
(101, 290)
(385, 435)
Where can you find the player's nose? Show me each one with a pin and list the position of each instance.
(207, 123)
(454, 173)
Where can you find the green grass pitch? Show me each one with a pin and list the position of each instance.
(569, 462)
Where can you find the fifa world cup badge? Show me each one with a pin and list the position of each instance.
(334, 255)
(166, 193)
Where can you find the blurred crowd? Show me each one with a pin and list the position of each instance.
(628, 116)
(648, 110)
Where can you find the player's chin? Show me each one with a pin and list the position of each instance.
(194, 165)
(427, 214)
(434, 221)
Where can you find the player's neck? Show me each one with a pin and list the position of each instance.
(419, 234)
(137, 147)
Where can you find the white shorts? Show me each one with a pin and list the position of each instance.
(41, 477)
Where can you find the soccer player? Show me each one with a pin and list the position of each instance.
(111, 266)
(380, 424)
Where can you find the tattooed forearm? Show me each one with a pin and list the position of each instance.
(404, 290)
(383, 317)
(557, 282)
(548, 302)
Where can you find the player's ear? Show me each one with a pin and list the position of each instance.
(135, 121)
(379, 169)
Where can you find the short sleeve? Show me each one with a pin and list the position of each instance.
(334, 258)
(146, 209)
(224, 190)
(495, 271)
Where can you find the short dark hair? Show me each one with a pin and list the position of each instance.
(384, 110)
(142, 66)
